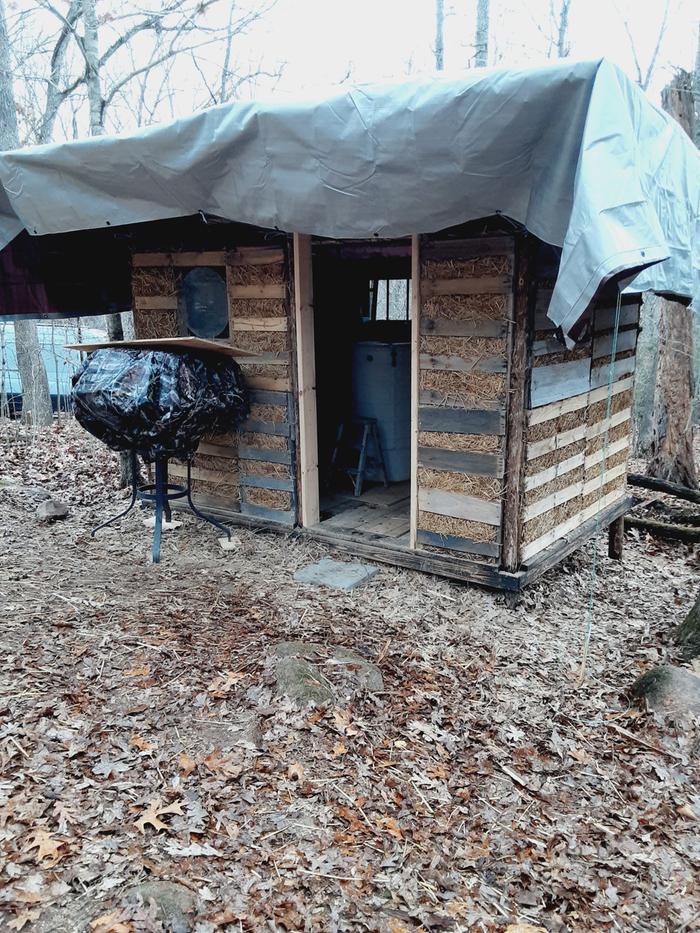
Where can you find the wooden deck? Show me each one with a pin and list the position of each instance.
(383, 512)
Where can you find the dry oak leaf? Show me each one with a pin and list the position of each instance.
(187, 764)
(524, 928)
(22, 918)
(143, 671)
(390, 825)
(339, 749)
(221, 685)
(48, 848)
(295, 771)
(151, 817)
(111, 923)
(142, 744)
(222, 765)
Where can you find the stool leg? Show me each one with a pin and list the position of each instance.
(134, 491)
(166, 501)
(380, 452)
(360, 476)
(157, 530)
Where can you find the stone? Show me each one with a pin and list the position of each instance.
(338, 574)
(366, 675)
(302, 682)
(669, 690)
(165, 524)
(174, 903)
(51, 509)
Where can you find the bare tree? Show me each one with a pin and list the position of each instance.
(36, 400)
(672, 429)
(644, 75)
(563, 47)
(439, 34)
(481, 38)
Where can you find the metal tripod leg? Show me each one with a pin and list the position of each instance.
(161, 492)
(134, 491)
(206, 518)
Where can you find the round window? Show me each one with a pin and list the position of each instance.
(204, 303)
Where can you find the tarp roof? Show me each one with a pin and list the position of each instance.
(573, 151)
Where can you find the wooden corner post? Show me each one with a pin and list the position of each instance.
(306, 381)
(415, 387)
(515, 414)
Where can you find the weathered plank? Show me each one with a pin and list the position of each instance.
(435, 250)
(558, 469)
(416, 318)
(280, 428)
(552, 501)
(545, 346)
(536, 449)
(217, 450)
(461, 421)
(263, 325)
(626, 340)
(605, 317)
(607, 476)
(268, 383)
(458, 364)
(267, 482)
(263, 397)
(459, 505)
(443, 327)
(155, 302)
(305, 406)
(460, 461)
(210, 476)
(268, 290)
(452, 543)
(593, 430)
(254, 256)
(433, 398)
(206, 258)
(558, 381)
(268, 456)
(270, 515)
(601, 375)
(488, 285)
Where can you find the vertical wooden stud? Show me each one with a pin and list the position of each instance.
(306, 381)
(415, 387)
(515, 413)
(616, 538)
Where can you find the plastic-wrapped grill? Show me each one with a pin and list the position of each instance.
(158, 403)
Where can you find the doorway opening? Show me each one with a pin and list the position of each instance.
(362, 334)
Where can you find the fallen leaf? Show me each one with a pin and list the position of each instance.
(221, 686)
(151, 817)
(143, 671)
(580, 755)
(391, 826)
(339, 749)
(187, 764)
(687, 811)
(524, 928)
(22, 918)
(142, 744)
(193, 849)
(48, 848)
(341, 718)
(225, 765)
(111, 923)
(295, 772)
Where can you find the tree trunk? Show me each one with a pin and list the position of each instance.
(439, 34)
(36, 401)
(481, 41)
(562, 40)
(696, 91)
(672, 431)
(92, 69)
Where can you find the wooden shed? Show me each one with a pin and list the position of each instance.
(516, 447)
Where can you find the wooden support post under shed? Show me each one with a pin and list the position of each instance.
(515, 417)
(415, 377)
(616, 538)
(306, 381)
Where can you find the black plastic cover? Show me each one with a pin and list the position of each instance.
(158, 403)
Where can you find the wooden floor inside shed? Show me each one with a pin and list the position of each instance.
(382, 512)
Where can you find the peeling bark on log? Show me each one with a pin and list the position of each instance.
(663, 530)
(660, 485)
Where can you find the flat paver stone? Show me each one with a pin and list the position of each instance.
(336, 573)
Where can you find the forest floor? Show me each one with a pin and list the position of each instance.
(151, 778)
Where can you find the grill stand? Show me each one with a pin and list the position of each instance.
(161, 494)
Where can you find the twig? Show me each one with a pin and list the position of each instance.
(633, 738)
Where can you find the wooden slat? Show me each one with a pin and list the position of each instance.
(559, 469)
(593, 430)
(488, 285)
(206, 258)
(443, 327)
(268, 383)
(458, 364)
(601, 375)
(605, 317)
(607, 476)
(263, 325)
(465, 249)
(263, 397)
(255, 256)
(620, 385)
(549, 537)
(626, 340)
(549, 345)
(267, 456)
(155, 302)
(567, 405)
(271, 515)
(459, 505)
(269, 290)
(553, 500)
(432, 398)
(603, 454)
(267, 482)
(280, 428)
(306, 380)
(452, 543)
(211, 476)
(416, 318)
(558, 381)
(460, 461)
(461, 421)
(535, 449)
(217, 450)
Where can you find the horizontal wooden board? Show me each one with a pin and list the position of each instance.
(155, 302)
(558, 381)
(605, 317)
(268, 290)
(459, 505)
(602, 375)
(262, 325)
(267, 482)
(173, 344)
(270, 515)
(432, 398)
(458, 364)
(481, 327)
(206, 258)
(552, 501)
(626, 340)
(280, 428)
(452, 543)
(268, 383)
(210, 476)
(559, 469)
(217, 450)
(435, 250)
(460, 461)
(565, 406)
(607, 476)
(548, 345)
(263, 397)
(549, 537)
(461, 421)
(598, 455)
(488, 285)
(267, 456)
(593, 430)
(254, 256)
(536, 449)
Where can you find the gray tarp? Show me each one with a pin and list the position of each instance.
(574, 151)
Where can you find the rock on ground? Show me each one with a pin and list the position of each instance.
(669, 690)
(317, 675)
(50, 509)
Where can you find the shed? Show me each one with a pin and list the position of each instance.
(493, 357)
